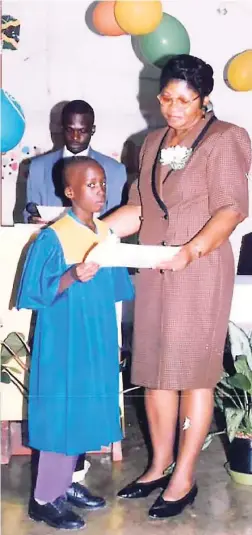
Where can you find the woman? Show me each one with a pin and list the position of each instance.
(182, 307)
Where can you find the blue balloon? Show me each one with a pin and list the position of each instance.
(12, 122)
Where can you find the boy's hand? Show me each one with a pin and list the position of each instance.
(84, 271)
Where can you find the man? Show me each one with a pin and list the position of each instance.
(44, 188)
(78, 128)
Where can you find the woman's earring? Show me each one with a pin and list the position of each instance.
(204, 110)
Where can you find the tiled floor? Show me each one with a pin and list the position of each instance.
(221, 508)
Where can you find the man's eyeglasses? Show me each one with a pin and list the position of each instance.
(180, 102)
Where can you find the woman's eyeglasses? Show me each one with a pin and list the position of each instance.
(180, 102)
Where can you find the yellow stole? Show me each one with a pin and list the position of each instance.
(76, 239)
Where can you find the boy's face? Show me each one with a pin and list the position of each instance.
(86, 187)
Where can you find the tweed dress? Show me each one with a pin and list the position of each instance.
(181, 317)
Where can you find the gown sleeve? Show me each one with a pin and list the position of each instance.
(227, 171)
(43, 268)
(123, 287)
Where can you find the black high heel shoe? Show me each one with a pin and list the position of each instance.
(164, 509)
(142, 490)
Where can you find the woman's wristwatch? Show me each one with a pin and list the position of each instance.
(196, 251)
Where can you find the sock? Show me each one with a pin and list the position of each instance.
(40, 502)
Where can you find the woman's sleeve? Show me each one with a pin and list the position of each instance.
(134, 197)
(43, 268)
(227, 171)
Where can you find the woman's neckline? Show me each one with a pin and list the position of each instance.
(190, 134)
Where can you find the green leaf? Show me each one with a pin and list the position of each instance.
(240, 381)
(6, 358)
(13, 369)
(218, 401)
(16, 342)
(241, 366)
(234, 418)
(210, 438)
(5, 378)
(223, 395)
(208, 441)
(240, 343)
(248, 422)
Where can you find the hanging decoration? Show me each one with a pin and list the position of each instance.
(138, 17)
(170, 38)
(104, 19)
(12, 122)
(10, 32)
(239, 72)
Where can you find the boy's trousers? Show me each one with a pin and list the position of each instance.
(55, 472)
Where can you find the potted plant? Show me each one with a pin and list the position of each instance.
(13, 349)
(233, 397)
(15, 355)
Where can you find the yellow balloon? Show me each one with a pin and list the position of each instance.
(239, 73)
(138, 17)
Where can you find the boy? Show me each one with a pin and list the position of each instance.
(73, 397)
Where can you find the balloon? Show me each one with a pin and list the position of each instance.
(104, 19)
(12, 122)
(138, 17)
(170, 38)
(239, 72)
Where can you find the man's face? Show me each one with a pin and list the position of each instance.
(78, 129)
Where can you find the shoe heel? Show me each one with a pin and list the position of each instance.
(34, 518)
(192, 499)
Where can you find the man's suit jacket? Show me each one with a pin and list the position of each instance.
(41, 185)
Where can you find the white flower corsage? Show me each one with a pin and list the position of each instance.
(177, 157)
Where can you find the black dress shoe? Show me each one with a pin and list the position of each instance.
(56, 514)
(142, 490)
(164, 509)
(80, 496)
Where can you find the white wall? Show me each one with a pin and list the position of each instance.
(60, 59)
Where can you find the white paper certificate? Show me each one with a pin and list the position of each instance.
(51, 213)
(108, 254)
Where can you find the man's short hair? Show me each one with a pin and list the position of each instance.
(77, 106)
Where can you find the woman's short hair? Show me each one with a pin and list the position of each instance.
(197, 73)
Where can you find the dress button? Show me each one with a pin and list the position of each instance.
(166, 216)
(137, 270)
(141, 218)
(162, 271)
(163, 243)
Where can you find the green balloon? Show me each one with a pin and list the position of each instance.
(169, 39)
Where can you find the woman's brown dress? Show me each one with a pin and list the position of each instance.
(181, 318)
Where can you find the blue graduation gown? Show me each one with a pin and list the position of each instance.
(74, 380)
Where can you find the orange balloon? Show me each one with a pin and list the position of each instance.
(240, 71)
(104, 19)
(138, 17)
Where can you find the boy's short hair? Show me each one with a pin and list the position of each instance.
(71, 161)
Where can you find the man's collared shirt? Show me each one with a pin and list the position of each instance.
(68, 154)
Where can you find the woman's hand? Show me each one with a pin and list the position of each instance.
(179, 261)
(84, 271)
(37, 220)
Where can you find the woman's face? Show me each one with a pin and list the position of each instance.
(180, 104)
